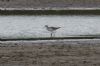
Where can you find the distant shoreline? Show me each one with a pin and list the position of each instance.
(51, 12)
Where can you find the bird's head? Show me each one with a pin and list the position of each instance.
(46, 25)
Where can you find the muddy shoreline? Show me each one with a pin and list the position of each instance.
(50, 38)
(50, 53)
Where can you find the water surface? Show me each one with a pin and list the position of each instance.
(17, 26)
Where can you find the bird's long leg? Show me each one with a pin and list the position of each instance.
(54, 34)
(51, 34)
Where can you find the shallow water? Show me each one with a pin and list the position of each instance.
(17, 26)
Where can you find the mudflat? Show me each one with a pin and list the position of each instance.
(49, 3)
(50, 53)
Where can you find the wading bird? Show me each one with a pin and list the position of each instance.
(52, 30)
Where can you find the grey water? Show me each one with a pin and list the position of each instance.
(24, 26)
